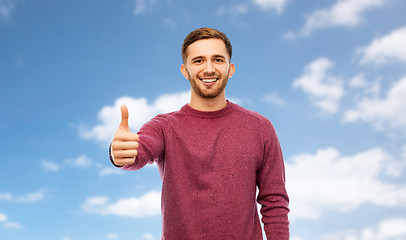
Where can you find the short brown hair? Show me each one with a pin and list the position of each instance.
(205, 33)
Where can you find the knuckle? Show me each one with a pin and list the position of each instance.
(125, 154)
(120, 154)
(124, 161)
(116, 155)
(135, 136)
(114, 144)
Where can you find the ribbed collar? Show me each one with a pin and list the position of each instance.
(211, 114)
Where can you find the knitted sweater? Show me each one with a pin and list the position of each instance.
(210, 165)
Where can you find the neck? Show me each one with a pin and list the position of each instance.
(208, 104)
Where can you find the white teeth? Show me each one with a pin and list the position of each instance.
(209, 80)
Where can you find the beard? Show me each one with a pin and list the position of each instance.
(208, 91)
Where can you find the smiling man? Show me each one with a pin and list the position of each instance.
(208, 68)
(212, 155)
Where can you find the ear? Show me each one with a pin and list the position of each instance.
(184, 71)
(231, 70)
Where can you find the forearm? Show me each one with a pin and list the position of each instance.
(274, 213)
(272, 194)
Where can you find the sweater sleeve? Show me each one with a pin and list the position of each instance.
(272, 192)
(151, 144)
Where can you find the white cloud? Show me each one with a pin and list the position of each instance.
(358, 81)
(274, 98)
(140, 111)
(112, 236)
(389, 229)
(361, 87)
(31, 197)
(6, 223)
(27, 198)
(6, 9)
(3, 217)
(82, 161)
(111, 171)
(383, 113)
(327, 181)
(6, 196)
(148, 236)
(144, 206)
(13, 225)
(49, 166)
(170, 22)
(347, 13)
(234, 9)
(277, 5)
(142, 6)
(94, 202)
(324, 89)
(385, 49)
(404, 152)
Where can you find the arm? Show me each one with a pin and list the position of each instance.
(272, 192)
(151, 144)
(132, 151)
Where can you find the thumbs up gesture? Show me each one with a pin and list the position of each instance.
(125, 143)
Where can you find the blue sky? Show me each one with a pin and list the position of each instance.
(329, 74)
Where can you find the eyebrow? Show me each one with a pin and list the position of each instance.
(195, 58)
(219, 56)
(214, 56)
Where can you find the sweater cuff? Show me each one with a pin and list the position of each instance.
(111, 157)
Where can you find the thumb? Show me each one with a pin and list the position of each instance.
(124, 118)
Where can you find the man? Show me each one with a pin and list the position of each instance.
(211, 155)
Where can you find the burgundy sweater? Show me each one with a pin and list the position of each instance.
(210, 164)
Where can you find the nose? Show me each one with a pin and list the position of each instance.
(209, 67)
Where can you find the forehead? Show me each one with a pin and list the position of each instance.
(207, 48)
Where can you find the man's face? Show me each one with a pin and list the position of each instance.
(208, 67)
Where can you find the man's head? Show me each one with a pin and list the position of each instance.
(205, 33)
(206, 63)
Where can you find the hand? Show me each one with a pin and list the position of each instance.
(125, 143)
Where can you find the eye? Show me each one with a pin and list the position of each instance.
(218, 60)
(197, 61)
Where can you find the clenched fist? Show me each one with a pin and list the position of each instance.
(125, 143)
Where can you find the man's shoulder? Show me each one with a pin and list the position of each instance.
(251, 114)
(160, 121)
(168, 116)
(255, 121)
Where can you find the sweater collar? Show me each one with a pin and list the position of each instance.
(210, 114)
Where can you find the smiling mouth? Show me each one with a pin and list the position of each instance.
(209, 80)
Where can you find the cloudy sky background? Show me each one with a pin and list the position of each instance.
(329, 74)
